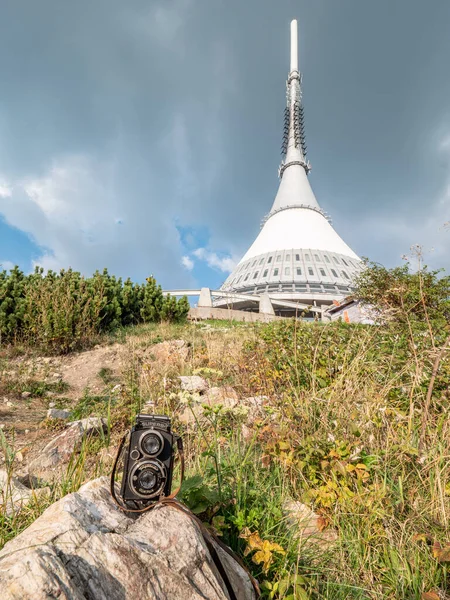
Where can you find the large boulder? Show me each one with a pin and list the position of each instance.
(84, 546)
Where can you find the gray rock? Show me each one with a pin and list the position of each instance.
(84, 547)
(170, 351)
(193, 383)
(308, 526)
(56, 413)
(57, 453)
(14, 495)
(226, 396)
(26, 394)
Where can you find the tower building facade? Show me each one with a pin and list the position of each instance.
(297, 256)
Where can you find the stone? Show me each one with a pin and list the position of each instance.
(57, 453)
(170, 351)
(84, 546)
(56, 413)
(49, 394)
(51, 404)
(222, 395)
(14, 495)
(255, 401)
(9, 404)
(117, 388)
(308, 526)
(26, 394)
(193, 383)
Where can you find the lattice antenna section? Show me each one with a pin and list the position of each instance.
(285, 131)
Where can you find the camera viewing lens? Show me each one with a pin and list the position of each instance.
(151, 444)
(147, 479)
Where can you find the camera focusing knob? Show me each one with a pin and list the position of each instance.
(135, 454)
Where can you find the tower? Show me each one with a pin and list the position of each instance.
(297, 256)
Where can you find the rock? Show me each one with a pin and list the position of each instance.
(222, 395)
(193, 383)
(255, 401)
(308, 526)
(14, 495)
(49, 394)
(51, 404)
(26, 394)
(84, 547)
(173, 351)
(9, 404)
(55, 413)
(117, 388)
(57, 453)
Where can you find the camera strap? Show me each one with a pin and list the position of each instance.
(208, 535)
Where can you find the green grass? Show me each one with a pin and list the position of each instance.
(339, 432)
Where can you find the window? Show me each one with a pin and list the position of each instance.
(335, 260)
(345, 263)
(345, 275)
(322, 272)
(306, 256)
(279, 258)
(255, 275)
(334, 272)
(239, 279)
(254, 263)
(287, 271)
(316, 256)
(269, 260)
(246, 277)
(261, 261)
(297, 257)
(287, 257)
(265, 273)
(299, 271)
(275, 272)
(310, 271)
(326, 258)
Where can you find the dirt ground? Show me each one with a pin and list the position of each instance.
(21, 417)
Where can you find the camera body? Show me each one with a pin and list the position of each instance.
(148, 461)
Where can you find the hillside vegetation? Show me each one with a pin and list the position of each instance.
(349, 420)
(65, 311)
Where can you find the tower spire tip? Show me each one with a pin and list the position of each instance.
(294, 45)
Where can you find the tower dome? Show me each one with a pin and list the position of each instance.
(298, 255)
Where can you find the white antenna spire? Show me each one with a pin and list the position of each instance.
(294, 46)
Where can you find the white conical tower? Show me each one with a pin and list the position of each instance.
(297, 255)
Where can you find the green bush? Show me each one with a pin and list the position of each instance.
(63, 311)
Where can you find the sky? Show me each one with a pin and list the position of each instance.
(144, 136)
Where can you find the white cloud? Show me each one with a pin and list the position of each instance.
(5, 189)
(6, 265)
(71, 212)
(225, 264)
(187, 263)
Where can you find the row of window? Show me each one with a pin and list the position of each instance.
(297, 258)
(295, 287)
(287, 271)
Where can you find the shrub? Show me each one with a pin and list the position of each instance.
(63, 311)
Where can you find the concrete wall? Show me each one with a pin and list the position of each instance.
(228, 314)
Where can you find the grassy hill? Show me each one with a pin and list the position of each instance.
(349, 421)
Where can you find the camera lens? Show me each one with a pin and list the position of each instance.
(147, 479)
(151, 444)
